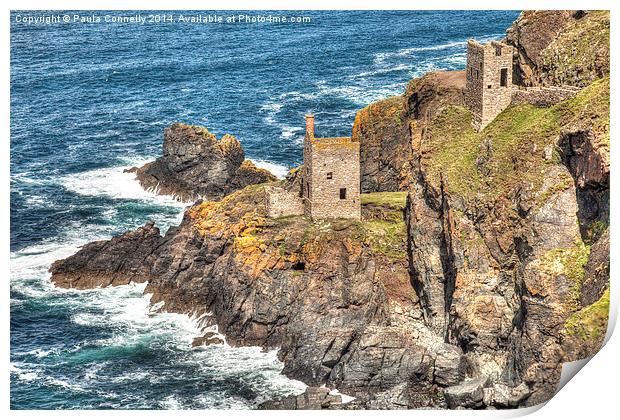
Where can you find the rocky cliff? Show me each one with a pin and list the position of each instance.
(387, 129)
(552, 48)
(469, 289)
(335, 297)
(569, 47)
(195, 164)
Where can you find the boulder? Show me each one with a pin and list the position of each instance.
(467, 394)
(449, 366)
(501, 395)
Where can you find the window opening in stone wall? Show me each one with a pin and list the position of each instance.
(343, 193)
(330, 175)
(503, 77)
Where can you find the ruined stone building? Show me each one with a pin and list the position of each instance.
(331, 176)
(330, 180)
(489, 88)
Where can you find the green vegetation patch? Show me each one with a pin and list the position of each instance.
(590, 322)
(481, 167)
(571, 263)
(387, 238)
(396, 200)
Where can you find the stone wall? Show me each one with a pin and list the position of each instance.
(473, 84)
(334, 164)
(542, 97)
(282, 202)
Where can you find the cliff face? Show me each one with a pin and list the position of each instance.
(560, 47)
(196, 164)
(387, 129)
(505, 230)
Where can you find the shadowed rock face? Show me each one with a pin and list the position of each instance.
(195, 164)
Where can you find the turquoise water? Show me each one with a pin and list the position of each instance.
(88, 100)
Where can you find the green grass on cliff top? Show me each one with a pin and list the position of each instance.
(517, 139)
(395, 200)
(570, 56)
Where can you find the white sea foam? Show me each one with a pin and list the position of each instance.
(288, 131)
(113, 182)
(271, 109)
(384, 70)
(278, 170)
(23, 374)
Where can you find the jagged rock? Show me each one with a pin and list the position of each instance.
(195, 164)
(207, 339)
(123, 259)
(468, 394)
(596, 278)
(313, 398)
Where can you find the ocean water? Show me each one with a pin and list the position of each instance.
(88, 100)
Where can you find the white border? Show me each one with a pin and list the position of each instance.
(592, 395)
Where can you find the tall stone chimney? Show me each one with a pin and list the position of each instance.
(309, 125)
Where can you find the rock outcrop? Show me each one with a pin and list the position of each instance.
(121, 260)
(195, 164)
(386, 129)
(560, 47)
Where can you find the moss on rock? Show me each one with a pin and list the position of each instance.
(590, 323)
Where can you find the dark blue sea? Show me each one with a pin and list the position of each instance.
(90, 99)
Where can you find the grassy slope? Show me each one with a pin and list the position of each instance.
(517, 138)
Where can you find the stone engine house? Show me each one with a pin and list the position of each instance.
(331, 176)
(330, 180)
(488, 88)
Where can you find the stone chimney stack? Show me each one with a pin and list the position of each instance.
(309, 125)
